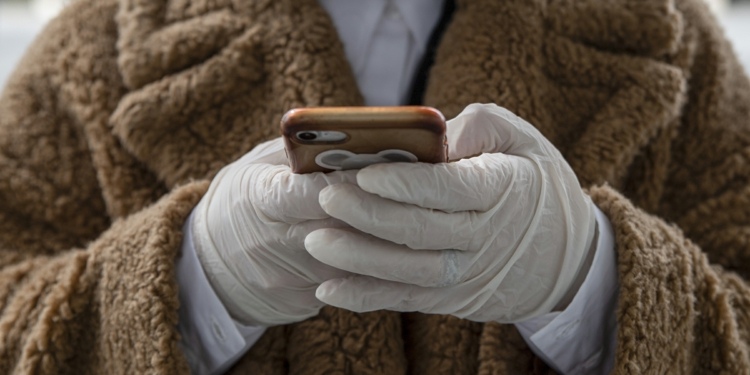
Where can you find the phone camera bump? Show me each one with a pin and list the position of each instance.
(307, 136)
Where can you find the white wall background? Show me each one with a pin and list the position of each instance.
(736, 20)
(20, 21)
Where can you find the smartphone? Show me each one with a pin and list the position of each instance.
(325, 139)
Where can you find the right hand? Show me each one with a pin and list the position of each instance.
(249, 232)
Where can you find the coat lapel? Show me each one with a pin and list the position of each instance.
(207, 83)
(601, 99)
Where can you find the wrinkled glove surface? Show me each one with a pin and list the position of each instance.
(249, 232)
(501, 236)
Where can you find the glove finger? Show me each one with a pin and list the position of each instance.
(363, 254)
(467, 185)
(365, 294)
(413, 226)
(280, 195)
(269, 152)
(490, 128)
(274, 306)
(299, 263)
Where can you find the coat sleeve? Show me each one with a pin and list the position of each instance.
(85, 287)
(684, 264)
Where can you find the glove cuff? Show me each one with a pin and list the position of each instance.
(583, 271)
(218, 274)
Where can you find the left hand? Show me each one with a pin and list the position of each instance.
(503, 236)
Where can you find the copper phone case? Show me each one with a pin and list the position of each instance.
(369, 130)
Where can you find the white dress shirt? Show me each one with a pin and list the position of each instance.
(384, 41)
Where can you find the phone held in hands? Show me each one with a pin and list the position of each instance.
(325, 139)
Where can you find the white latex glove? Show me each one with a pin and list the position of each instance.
(249, 232)
(502, 236)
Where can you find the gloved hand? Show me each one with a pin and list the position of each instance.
(249, 232)
(503, 236)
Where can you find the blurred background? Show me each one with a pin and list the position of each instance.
(21, 20)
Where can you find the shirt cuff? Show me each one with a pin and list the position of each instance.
(211, 340)
(560, 339)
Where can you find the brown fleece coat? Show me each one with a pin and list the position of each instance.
(122, 110)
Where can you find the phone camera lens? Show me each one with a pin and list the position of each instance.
(307, 136)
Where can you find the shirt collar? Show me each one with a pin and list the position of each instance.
(356, 21)
(421, 17)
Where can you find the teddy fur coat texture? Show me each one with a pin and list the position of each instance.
(121, 111)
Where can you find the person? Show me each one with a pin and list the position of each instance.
(599, 204)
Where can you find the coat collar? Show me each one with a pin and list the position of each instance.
(207, 85)
(210, 79)
(600, 98)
